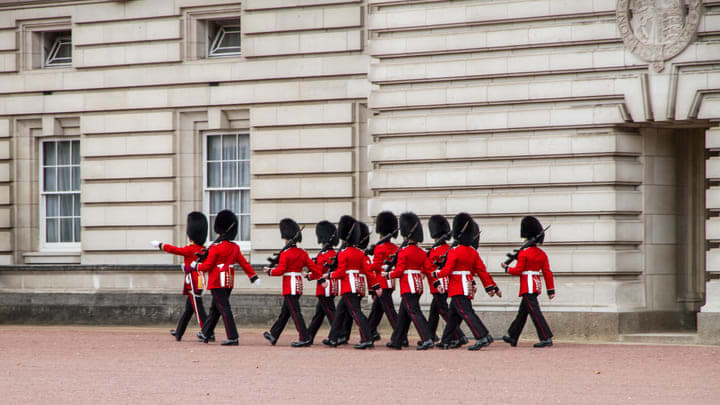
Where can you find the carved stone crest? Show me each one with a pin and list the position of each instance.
(658, 30)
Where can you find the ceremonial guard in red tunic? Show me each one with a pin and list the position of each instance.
(531, 263)
(351, 263)
(386, 225)
(463, 263)
(440, 231)
(326, 291)
(291, 262)
(409, 268)
(197, 229)
(219, 264)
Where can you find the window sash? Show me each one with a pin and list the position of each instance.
(53, 59)
(60, 210)
(217, 44)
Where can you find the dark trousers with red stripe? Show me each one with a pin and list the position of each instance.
(382, 305)
(349, 307)
(530, 306)
(193, 305)
(290, 309)
(325, 308)
(410, 312)
(461, 310)
(220, 307)
(438, 308)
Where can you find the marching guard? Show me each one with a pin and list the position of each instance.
(291, 262)
(409, 268)
(220, 266)
(326, 290)
(351, 262)
(463, 262)
(440, 231)
(196, 231)
(531, 263)
(386, 225)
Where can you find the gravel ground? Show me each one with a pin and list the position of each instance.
(146, 365)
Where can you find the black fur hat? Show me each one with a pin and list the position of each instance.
(347, 229)
(226, 224)
(197, 227)
(289, 228)
(438, 226)
(364, 235)
(326, 233)
(529, 227)
(386, 222)
(410, 226)
(462, 228)
(476, 235)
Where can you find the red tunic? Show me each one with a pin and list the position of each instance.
(188, 254)
(290, 266)
(352, 263)
(430, 266)
(463, 262)
(331, 289)
(410, 268)
(220, 265)
(381, 253)
(531, 262)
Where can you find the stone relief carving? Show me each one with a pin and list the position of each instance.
(658, 30)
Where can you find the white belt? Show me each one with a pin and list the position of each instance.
(460, 273)
(530, 273)
(530, 279)
(466, 291)
(411, 282)
(351, 274)
(222, 275)
(293, 280)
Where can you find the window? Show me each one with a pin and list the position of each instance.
(223, 38)
(60, 193)
(227, 179)
(57, 48)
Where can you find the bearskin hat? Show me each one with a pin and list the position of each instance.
(476, 235)
(364, 235)
(197, 227)
(289, 228)
(410, 226)
(385, 223)
(326, 233)
(348, 230)
(462, 228)
(529, 227)
(438, 226)
(226, 224)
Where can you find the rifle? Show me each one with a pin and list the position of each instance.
(203, 254)
(530, 242)
(440, 241)
(440, 262)
(333, 263)
(371, 250)
(275, 258)
(391, 261)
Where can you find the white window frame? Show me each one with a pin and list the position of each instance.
(245, 245)
(44, 244)
(54, 48)
(213, 43)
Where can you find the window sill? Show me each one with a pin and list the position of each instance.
(51, 257)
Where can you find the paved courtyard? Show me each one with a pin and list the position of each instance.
(145, 365)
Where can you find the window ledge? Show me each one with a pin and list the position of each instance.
(51, 257)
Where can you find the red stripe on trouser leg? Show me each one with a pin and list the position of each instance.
(467, 319)
(222, 312)
(362, 335)
(329, 313)
(390, 315)
(419, 329)
(537, 321)
(292, 311)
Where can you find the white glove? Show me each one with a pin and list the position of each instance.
(155, 243)
(193, 265)
(385, 267)
(257, 283)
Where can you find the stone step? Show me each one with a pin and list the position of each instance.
(663, 338)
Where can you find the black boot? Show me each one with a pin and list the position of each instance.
(174, 333)
(365, 345)
(330, 342)
(511, 341)
(376, 336)
(301, 343)
(230, 342)
(543, 343)
(342, 341)
(202, 338)
(270, 337)
(392, 345)
(428, 344)
(480, 343)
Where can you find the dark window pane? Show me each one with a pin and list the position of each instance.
(66, 205)
(214, 150)
(50, 179)
(49, 153)
(230, 40)
(212, 233)
(63, 151)
(229, 145)
(229, 174)
(51, 231)
(64, 182)
(244, 227)
(244, 147)
(216, 202)
(76, 205)
(76, 221)
(76, 178)
(245, 201)
(244, 176)
(64, 51)
(76, 152)
(52, 203)
(66, 230)
(232, 201)
(214, 175)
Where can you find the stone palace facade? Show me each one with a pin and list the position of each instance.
(117, 118)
